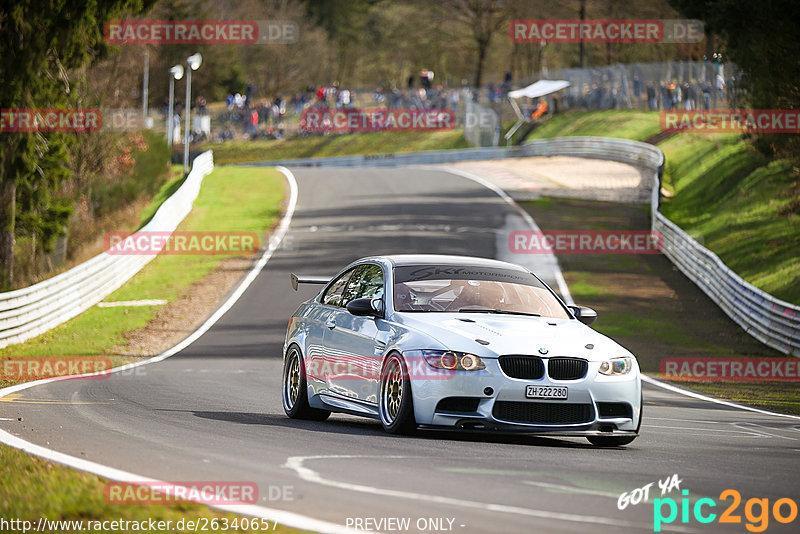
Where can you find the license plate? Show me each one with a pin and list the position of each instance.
(546, 392)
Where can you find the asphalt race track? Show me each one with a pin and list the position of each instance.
(213, 411)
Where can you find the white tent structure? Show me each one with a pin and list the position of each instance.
(540, 88)
(535, 90)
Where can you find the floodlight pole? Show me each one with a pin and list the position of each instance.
(175, 73)
(171, 111)
(193, 63)
(187, 106)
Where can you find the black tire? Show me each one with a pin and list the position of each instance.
(395, 403)
(610, 441)
(294, 389)
(618, 441)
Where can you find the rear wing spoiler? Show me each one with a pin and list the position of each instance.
(301, 279)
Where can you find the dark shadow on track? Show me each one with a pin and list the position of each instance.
(368, 427)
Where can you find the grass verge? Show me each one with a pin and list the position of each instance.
(231, 199)
(735, 198)
(636, 125)
(32, 488)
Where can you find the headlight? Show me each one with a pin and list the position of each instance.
(616, 366)
(453, 361)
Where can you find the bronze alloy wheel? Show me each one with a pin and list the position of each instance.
(395, 404)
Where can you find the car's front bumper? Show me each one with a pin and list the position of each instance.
(583, 413)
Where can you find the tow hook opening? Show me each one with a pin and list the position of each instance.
(472, 425)
(606, 428)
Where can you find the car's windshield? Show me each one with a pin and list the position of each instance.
(474, 289)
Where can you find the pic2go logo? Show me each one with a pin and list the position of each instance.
(757, 521)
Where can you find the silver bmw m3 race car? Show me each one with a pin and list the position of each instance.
(459, 342)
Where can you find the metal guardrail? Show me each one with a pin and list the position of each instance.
(30, 311)
(772, 321)
(589, 147)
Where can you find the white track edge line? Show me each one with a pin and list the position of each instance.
(282, 517)
(290, 519)
(700, 396)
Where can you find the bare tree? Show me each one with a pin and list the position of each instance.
(482, 19)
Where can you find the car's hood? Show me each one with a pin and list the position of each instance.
(511, 334)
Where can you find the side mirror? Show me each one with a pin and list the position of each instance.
(366, 307)
(584, 314)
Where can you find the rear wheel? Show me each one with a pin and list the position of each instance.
(395, 403)
(295, 389)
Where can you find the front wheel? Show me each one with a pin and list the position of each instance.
(295, 389)
(395, 404)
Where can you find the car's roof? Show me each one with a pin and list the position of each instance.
(441, 259)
